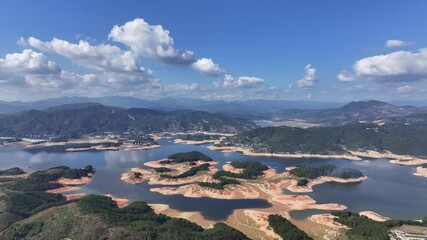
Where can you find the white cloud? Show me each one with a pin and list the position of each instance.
(208, 67)
(394, 43)
(400, 66)
(344, 76)
(151, 41)
(404, 89)
(249, 82)
(29, 62)
(241, 82)
(115, 68)
(100, 57)
(309, 80)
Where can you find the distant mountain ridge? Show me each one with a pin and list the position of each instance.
(78, 119)
(251, 108)
(355, 111)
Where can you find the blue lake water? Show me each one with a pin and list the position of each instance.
(390, 190)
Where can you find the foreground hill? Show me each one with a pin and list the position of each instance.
(354, 111)
(74, 121)
(400, 137)
(97, 217)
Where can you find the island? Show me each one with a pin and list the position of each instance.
(193, 175)
(306, 177)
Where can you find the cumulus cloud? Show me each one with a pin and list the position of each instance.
(400, 66)
(151, 41)
(208, 67)
(249, 82)
(114, 69)
(344, 76)
(309, 80)
(241, 82)
(394, 43)
(28, 61)
(100, 57)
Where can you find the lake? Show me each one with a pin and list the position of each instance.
(390, 190)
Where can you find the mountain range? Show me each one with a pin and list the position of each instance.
(247, 108)
(74, 120)
(355, 111)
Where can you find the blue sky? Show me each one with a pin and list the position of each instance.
(236, 49)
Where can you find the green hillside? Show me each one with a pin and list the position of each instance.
(397, 137)
(74, 122)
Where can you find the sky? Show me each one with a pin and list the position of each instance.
(319, 50)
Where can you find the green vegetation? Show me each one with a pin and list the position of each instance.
(12, 171)
(139, 217)
(89, 169)
(189, 157)
(98, 217)
(325, 170)
(75, 122)
(92, 217)
(137, 175)
(424, 165)
(285, 229)
(251, 170)
(365, 228)
(191, 172)
(398, 138)
(25, 204)
(162, 169)
(302, 182)
(23, 197)
(42, 180)
(22, 231)
(219, 186)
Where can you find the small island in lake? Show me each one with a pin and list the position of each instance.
(195, 175)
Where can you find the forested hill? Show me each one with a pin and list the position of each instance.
(399, 138)
(75, 121)
(352, 112)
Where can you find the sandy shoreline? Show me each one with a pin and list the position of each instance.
(70, 185)
(421, 171)
(248, 152)
(374, 216)
(352, 155)
(253, 222)
(121, 202)
(154, 178)
(309, 187)
(190, 142)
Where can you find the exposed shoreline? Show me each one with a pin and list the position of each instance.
(421, 172)
(374, 216)
(352, 155)
(253, 222)
(191, 142)
(70, 185)
(320, 180)
(126, 147)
